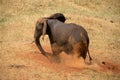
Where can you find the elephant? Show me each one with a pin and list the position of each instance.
(68, 37)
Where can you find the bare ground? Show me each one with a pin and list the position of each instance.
(21, 60)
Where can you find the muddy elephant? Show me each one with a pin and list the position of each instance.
(70, 38)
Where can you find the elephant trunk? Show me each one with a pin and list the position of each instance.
(44, 29)
(37, 42)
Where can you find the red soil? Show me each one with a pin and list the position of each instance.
(68, 64)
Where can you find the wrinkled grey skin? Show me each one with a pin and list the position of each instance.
(69, 38)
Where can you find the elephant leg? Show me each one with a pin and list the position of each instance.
(76, 50)
(56, 51)
(68, 48)
(79, 52)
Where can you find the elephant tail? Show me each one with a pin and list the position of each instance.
(84, 46)
(90, 58)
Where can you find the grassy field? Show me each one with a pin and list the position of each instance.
(21, 60)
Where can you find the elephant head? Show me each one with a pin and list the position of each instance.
(40, 30)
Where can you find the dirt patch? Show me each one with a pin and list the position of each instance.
(68, 64)
(110, 67)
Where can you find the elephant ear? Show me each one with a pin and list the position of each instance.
(44, 28)
(58, 16)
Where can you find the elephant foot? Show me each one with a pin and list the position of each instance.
(88, 63)
(56, 58)
(53, 58)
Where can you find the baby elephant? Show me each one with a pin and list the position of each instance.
(70, 38)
